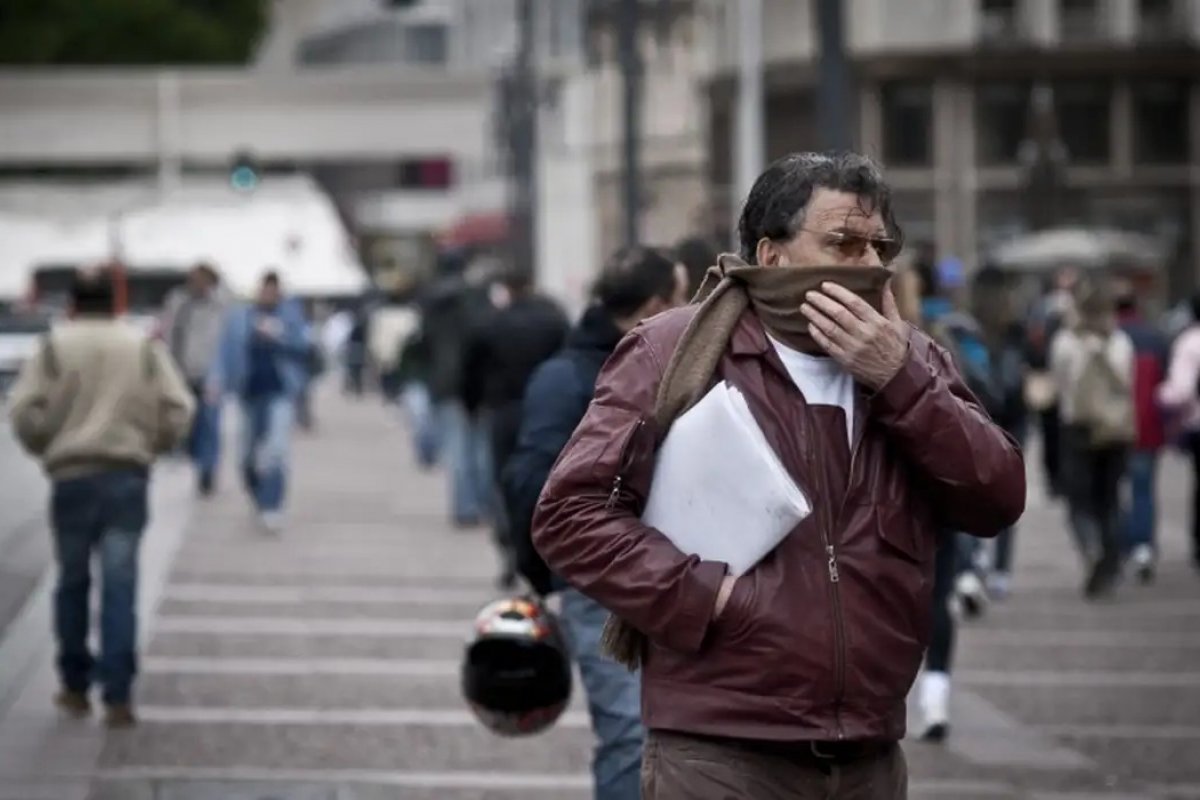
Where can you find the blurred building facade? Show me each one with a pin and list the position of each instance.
(944, 91)
(395, 109)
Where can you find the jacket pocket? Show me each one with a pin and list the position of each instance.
(902, 532)
(622, 455)
(738, 615)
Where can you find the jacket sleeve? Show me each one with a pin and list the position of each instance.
(1183, 373)
(974, 470)
(587, 523)
(175, 402)
(554, 404)
(296, 339)
(220, 374)
(29, 406)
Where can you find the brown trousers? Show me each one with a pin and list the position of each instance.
(680, 767)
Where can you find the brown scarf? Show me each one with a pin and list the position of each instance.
(729, 288)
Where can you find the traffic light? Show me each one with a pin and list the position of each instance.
(244, 173)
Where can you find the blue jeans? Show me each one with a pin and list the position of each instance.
(266, 442)
(204, 442)
(105, 514)
(614, 701)
(468, 453)
(1140, 520)
(1002, 559)
(422, 422)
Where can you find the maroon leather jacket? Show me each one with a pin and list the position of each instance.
(823, 638)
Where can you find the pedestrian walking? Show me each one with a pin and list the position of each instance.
(1181, 395)
(636, 284)
(457, 301)
(502, 352)
(1092, 365)
(790, 679)
(1049, 315)
(193, 320)
(98, 403)
(1150, 355)
(263, 364)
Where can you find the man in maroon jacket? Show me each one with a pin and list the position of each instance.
(790, 680)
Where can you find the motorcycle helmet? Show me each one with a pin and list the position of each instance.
(516, 675)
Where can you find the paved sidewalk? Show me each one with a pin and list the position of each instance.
(323, 664)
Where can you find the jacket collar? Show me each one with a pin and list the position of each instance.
(749, 338)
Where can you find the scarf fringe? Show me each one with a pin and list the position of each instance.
(623, 643)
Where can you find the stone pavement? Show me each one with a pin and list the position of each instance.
(323, 664)
(24, 546)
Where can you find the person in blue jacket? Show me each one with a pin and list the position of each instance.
(636, 283)
(263, 363)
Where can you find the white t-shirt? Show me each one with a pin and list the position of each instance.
(821, 380)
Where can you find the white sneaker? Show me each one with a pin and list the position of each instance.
(272, 521)
(972, 594)
(934, 702)
(1142, 559)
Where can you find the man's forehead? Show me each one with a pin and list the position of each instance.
(842, 208)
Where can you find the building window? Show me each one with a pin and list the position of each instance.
(1083, 110)
(1001, 115)
(1080, 20)
(999, 21)
(1160, 122)
(907, 123)
(1160, 20)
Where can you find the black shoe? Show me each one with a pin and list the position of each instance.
(250, 478)
(74, 704)
(207, 484)
(936, 733)
(1102, 579)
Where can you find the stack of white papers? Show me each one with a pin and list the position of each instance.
(720, 492)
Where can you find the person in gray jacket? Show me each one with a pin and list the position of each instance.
(192, 326)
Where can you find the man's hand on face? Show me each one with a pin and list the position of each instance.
(871, 346)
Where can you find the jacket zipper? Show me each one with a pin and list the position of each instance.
(839, 623)
(618, 481)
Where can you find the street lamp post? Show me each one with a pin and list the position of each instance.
(523, 136)
(833, 87)
(1044, 160)
(749, 135)
(631, 81)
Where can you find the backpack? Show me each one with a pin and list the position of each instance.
(1103, 405)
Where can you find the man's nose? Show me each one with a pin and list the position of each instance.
(870, 257)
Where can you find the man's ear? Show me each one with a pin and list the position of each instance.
(767, 253)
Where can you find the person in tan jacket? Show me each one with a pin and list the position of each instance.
(98, 403)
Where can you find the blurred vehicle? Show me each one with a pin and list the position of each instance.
(20, 333)
(287, 223)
